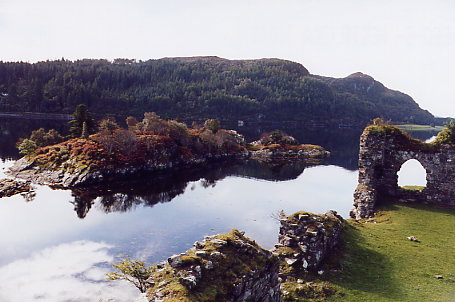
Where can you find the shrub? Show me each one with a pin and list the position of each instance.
(43, 138)
(447, 135)
(133, 271)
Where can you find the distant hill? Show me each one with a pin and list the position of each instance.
(200, 88)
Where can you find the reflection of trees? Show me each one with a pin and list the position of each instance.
(82, 205)
(145, 190)
(148, 190)
(276, 170)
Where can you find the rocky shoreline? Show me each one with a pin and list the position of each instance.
(308, 154)
(26, 168)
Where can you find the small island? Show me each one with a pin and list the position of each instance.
(151, 145)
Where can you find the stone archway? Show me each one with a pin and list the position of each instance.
(412, 174)
(383, 150)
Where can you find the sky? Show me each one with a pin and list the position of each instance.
(408, 45)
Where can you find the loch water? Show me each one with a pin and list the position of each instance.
(57, 245)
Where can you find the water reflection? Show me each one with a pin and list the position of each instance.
(148, 190)
(73, 271)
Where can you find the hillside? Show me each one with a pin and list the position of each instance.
(200, 88)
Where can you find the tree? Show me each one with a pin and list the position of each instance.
(43, 138)
(131, 122)
(80, 116)
(133, 271)
(27, 147)
(108, 125)
(212, 125)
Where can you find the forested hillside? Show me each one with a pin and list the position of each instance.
(200, 88)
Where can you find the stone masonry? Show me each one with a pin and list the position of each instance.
(306, 239)
(383, 150)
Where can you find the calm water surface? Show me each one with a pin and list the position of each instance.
(56, 245)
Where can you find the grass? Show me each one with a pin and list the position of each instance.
(414, 188)
(380, 264)
(414, 127)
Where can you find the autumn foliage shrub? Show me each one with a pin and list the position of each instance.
(153, 140)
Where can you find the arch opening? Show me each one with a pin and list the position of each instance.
(412, 175)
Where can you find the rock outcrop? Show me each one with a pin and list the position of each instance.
(309, 153)
(278, 145)
(73, 172)
(27, 169)
(383, 150)
(226, 267)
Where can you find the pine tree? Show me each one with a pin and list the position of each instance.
(81, 116)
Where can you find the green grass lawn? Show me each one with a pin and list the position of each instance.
(414, 188)
(380, 264)
(413, 127)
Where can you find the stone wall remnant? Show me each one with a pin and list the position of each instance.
(306, 239)
(227, 267)
(383, 150)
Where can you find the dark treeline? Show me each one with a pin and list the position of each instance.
(201, 88)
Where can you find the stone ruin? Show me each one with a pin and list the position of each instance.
(383, 150)
(306, 239)
(233, 268)
(226, 267)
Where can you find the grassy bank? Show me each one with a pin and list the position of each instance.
(413, 127)
(380, 264)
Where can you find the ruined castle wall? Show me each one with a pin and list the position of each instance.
(383, 152)
(306, 239)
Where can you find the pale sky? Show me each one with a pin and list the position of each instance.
(408, 45)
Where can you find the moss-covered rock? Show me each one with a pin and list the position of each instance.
(225, 267)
